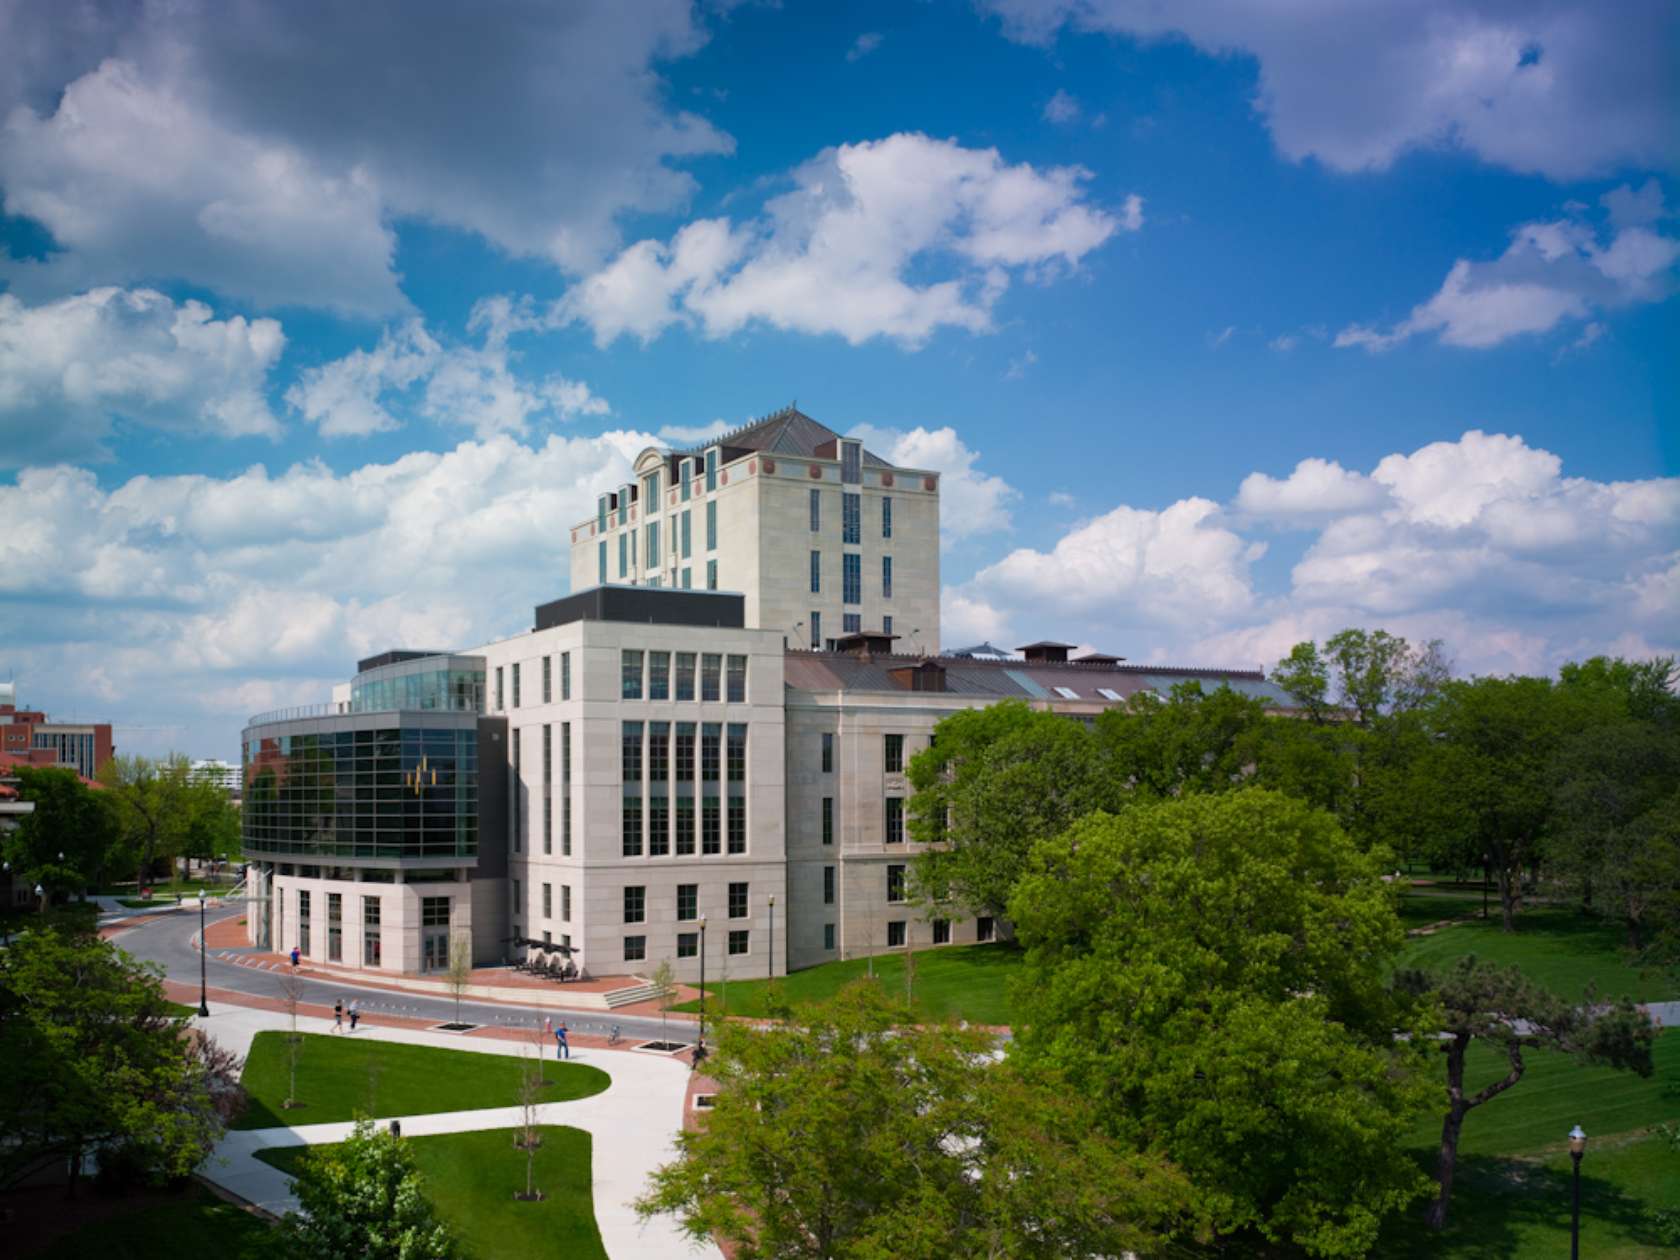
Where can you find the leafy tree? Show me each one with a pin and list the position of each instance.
(69, 818)
(292, 987)
(1210, 975)
(1483, 999)
(1305, 675)
(1190, 741)
(154, 805)
(95, 1061)
(854, 1133)
(664, 984)
(994, 781)
(458, 976)
(364, 1198)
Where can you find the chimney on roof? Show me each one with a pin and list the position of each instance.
(866, 644)
(1045, 652)
(926, 676)
(1097, 658)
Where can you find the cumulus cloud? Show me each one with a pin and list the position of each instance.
(1063, 107)
(1317, 489)
(185, 138)
(854, 249)
(1562, 88)
(72, 367)
(455, 384)
(865, 44)
(1551, 273)
(971, 502)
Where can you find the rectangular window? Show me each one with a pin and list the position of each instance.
(659, 823)
(886, 577)
(711, 525)
(851, 623)
(688, 902)
(851, 578)
(650, 491)
(335, 927)
(659, 752)
(631, 534)
(737, 680)
(565, 903)
(630, 672)
(631, 746)
(517, 747)
(565, 675)
(895, 820)
(711, 676)
(886, 517)
(601, 514)
(548, 901)
(711, 575)
(650, 545)
(895, 884)
(685, 826)
(709, 819)
(828, 752)
(623, 554)
(548, 679)
(685, 752)
(635, 903)
(828, 937)
(851, 462)
(740, 941)
(942, 931)
(516, 685)
(685, 676)
(566, 789)
(895, 934)
(635, 949)
(828, 820)
(851, 518)
(816, 511)
(894, 754)
(886, 625)
(688, 944)
(601, 562)
(632, 815)
(624, 505)
(687, 534)
(737, 752)
(434, 912)
(828, 885)
(688, 579)
(659, 675)
(816, 630)
(816, 573)
(686, 474)
(499, 705)
(983, 928)
(711, 470)
(736, 825)
(711, 739)
(372, 954)
(548, 786)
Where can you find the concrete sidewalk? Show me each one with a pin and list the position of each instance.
(633, 1124)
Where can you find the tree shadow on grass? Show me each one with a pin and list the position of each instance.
(1504, 1207)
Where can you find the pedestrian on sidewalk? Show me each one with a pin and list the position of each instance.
(355, 1013)
(295, 955)
(699, 1053)
(563, 1048)
(338, 1016)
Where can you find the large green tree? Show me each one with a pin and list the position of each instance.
(364, 1199)
(69, 818)
(96, 1062)
(157, 805)
(1210, 974)
(854, 1134)
(1500, 1004)
(1190, 740)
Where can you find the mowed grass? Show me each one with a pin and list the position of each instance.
(1562, 949)
(472, 1178)
(197, 1225)
(961, 981)
(1421, 905)
(340, 1075)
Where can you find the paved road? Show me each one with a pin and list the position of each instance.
(168, 942)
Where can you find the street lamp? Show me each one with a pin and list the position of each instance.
(1577, 1148)
(42, 894)
(702, 979)
(772, 972)
(203, 953)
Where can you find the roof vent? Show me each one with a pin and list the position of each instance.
(926, 676)
(1097, 658)
(1045, 652)
(865, 644)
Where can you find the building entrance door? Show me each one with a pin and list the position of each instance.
(434, 954)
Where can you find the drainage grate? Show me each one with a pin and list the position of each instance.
(663, 1047)
(453, 1027)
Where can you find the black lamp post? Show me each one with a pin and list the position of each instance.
(702, 979)
(203, 953)
(1577, 1148)
(772, 972)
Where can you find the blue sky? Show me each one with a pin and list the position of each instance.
(318, 325)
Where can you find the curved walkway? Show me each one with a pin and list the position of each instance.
(633, 1125)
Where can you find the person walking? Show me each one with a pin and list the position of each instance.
(562, 1046)
(355, 1013)
(699, 1053)
(295, 955)
(338, 1016)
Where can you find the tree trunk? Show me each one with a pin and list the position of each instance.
(1507, 900)
(1634, 942)
(1447, 1160)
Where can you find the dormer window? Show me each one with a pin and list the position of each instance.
(851, 462)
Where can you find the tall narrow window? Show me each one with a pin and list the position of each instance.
(303, 922)
(371, 951)
(895, 820)
(686, 472)
(631, 675)
(499, 704)
(659, 752)
(516, 684)
(335, 927)
(816, 511)
(851, 578)
(688, 902)
(886, 625)
(685, 675)
(632, 826)
(601, 562)
(565, 789)
(685, 825)
(711, 575)
(738, 901)
(548, 679)
(548, 901)
(828, 820)
(828, 885)
(687, 534)
(737, 680)
(709, 820)
(565, 903)
(894, 761)
(711, 676)
(518, 787)
(565, 675)
(828, 937)
(736, 829)
(816, 573)
(851, 518)
(711, 470)
(601, 514)
(816, 630)
(886, 517)
(688, 579)
(650, 491)
(895, 884)
(658, 821)
(659, 676)
(635, 903)
(650, 549)
(711, 739)
(631, 747)
(711, 525)
(828, 752)
(548, 786)
(851, 462)
(623, 554)
(886, 577)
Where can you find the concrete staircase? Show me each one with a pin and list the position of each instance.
(629, 994)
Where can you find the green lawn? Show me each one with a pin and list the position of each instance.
(1430, 903)
(1561, 948)
(340, 1075)
(198, 1225)
(472, 1177)
(964, 981)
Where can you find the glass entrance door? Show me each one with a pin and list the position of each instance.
(434, 954)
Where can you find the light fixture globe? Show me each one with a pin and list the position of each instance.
(1577, 1141)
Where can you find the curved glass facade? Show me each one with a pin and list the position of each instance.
(450, 683)
(381, 789)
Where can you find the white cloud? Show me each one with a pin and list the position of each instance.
(1551, 273)
(1217, 340)
(183, 138)
(1061, 499)
(71, 367)
(684, 435)
(1316, 490)
(1018, 366)
(1563, 88)
(971, 502)
(477, 387)
(855, 247)
(1061, 108)
(865, 44)
(1283, 343)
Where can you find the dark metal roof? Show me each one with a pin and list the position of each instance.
(656, 604)
(392, 657)
(1046, 643)
(980, 650)
(785, 432)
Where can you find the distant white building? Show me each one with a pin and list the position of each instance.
(224, 774)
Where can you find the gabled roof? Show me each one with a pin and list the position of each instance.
(785, 432)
